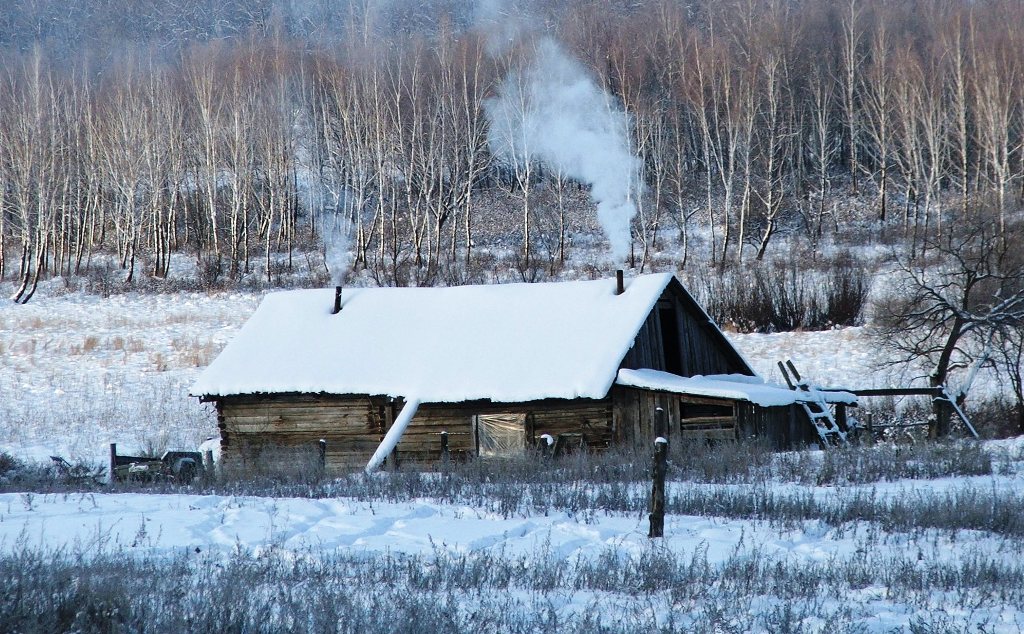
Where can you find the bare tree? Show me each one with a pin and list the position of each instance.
(823, 144)
(949, 311)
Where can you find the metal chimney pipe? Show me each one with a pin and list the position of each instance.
(620, 284)
(337, 300)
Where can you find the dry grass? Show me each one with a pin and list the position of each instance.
(24, 347)
(91, 343)
(158, 361)
(190, 352)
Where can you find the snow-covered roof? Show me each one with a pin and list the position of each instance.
(734, 387)
(507, 343)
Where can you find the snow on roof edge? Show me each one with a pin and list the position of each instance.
(735, 387)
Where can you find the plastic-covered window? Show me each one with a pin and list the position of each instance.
(501, 434)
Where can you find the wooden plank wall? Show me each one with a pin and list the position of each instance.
(702, 348)
(422, 439)
(591, 418)
(647, 350)
(281, 432)
(784, 427)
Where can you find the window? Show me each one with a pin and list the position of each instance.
(500, 434)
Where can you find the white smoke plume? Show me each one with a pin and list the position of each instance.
(553, 112)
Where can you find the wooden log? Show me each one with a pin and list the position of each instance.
(696, 421)
(891, 391)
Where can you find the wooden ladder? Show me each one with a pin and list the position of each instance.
(817, 410)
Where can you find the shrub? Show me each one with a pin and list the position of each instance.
(8, 464)
(779, 297)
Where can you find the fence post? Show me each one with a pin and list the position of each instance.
(113, 462)
(208, 467)
(657, 516)
(322, 448)
(445, 452)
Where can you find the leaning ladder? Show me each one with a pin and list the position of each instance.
(817, 410)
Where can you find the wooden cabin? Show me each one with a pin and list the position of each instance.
(496, 367)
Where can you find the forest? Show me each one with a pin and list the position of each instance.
(246, 132)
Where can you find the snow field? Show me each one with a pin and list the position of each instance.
(79, 371)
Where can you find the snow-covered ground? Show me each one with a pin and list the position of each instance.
(841, 357)
(152, 522)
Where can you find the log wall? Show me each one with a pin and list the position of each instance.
(281, 432)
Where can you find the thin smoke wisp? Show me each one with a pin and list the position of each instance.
(337, 251)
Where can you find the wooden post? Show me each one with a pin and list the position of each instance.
(871, 427)
(660, 468)
(322, 449)
(841, 420)
(389, 420)
(113, 461)
(445, 453)
(208, 467)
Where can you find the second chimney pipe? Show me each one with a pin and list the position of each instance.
(337, 300)
(620, 285)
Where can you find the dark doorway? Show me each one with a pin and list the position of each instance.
(670, 340)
